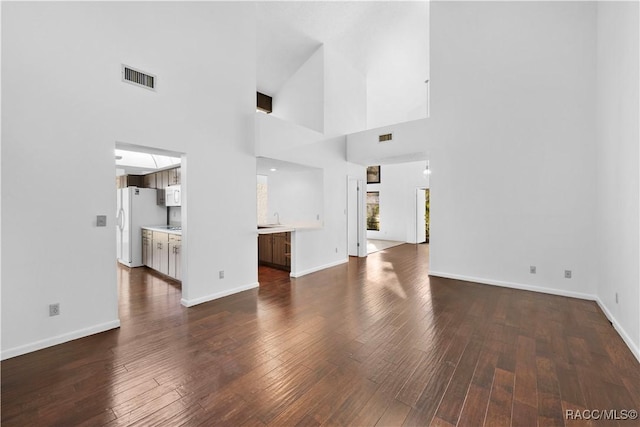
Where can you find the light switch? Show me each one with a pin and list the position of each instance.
(101, 221)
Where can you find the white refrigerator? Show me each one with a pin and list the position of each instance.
(136, 207)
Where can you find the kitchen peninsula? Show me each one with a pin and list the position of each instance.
(279, 245)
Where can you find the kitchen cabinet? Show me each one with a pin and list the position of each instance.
(162, 252)
(162, 179)
(174, 176)
(274, 250)
(175, 264)
(161, 197)
(147, 247)
(124, 181)
(265, 248)
(149, 180)
(160, 258)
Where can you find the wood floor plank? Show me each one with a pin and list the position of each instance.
(394, 415)
(526, 390)
(355, 345)
(475, 407)
(500, 400)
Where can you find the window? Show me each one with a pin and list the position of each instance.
(264, 103)
(373, 210)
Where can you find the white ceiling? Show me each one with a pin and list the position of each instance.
(384, 38)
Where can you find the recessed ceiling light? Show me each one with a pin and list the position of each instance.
(273, 169)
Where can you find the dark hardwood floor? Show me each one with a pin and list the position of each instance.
(372, 342)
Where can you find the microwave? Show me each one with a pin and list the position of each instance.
(172, 196)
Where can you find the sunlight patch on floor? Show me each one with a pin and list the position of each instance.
(375, 245)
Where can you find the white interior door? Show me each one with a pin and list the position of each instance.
(357, 238)
(421, 211)
(352, 217)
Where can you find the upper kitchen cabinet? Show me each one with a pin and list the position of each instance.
(149, 181)
(174, 176)
(149, 169)
(162, 179)
(124, 181)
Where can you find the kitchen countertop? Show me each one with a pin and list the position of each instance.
(163, 228)
(283, 228)
(271, 228)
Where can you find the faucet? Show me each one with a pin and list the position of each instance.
(278, 217)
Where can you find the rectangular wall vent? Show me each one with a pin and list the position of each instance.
(385, 138)
(138, 78)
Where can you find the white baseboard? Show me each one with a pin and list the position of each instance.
(211, 297)
(625, 336)
(513, 285)
(321, 267)
(621, 331)
(59, 339)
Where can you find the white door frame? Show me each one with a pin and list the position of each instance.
(419, 235)
(356, 212)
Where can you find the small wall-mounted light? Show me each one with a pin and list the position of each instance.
(427, 170)
(273, 169)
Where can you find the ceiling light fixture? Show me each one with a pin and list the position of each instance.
(273, 169)
(426, 171)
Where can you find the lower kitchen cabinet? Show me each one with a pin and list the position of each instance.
(160, 261)
(161, 251)
(147, 247)
(274, 250)
(175, 265)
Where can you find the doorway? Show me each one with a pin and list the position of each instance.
(149, 220)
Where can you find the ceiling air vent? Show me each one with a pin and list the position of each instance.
(385, 138)
(138, 78)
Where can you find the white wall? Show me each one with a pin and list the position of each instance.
(59, 125)
(392, 101)
(618, 189)
(301, 99)
(325, 247)
(345, 108)
(297, 197)
(513, 85)
(397, 188)
(275, 135)
(511, 143)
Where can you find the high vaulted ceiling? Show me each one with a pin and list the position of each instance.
(387, 39)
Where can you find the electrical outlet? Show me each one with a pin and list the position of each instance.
(616, 297)
(336, 250)
(532, 269)
(54, 309)
(567, 274)
(221, 274)
(318, 217)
